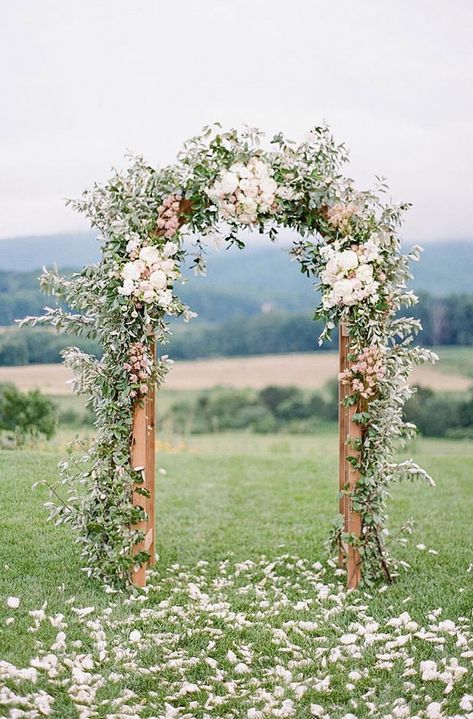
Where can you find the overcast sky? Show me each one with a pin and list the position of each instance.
(82, 81)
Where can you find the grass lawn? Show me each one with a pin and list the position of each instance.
(240, 620)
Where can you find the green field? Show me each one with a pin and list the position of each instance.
(241, 521)
(455, 360)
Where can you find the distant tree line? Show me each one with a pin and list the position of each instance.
(38, 346)
(447, 321)
(290, 409)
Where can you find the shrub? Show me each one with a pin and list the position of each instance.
(27, 415)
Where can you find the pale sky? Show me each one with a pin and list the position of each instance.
(82, 81)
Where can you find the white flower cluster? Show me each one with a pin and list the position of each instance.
(148, 276)
(244, 191)
(349, 275)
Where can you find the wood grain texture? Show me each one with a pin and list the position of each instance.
(349, 431)
(143, 460)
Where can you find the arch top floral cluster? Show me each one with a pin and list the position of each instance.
(224, 182)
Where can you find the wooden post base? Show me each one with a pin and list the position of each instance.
(143, 460)
(349, 556)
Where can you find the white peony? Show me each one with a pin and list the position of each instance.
(228, 183)
(133, 270)
(347, 260)
(240, 169)
(158, 280)
(286, 193)
(170, 249)
(268, 186)
(260, 168)
(343, 291)
(329, 275)
(249, 187)
(167, 266)
(370, 250)
(149, 295)
(165, 298)
(127, 288)
(365, 273)
(132, 245)
(150, 255)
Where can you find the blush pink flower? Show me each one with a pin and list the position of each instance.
(365, 373)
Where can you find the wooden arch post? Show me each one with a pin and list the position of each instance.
(143, 460)
(349, 431)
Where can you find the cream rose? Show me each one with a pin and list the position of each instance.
(133, 270)
(228, 183)
(347, 260)
(170, 249)
(158, 280)
(150, 255)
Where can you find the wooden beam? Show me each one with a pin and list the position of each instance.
(138, 463)
(151, 460)
(349, 431)
(143, 460)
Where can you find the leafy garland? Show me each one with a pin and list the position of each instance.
(223, 183)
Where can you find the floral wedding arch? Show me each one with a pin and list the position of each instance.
(224, 182)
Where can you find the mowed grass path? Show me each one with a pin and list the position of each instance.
(238, 497)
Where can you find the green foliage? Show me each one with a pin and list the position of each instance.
(26, 415)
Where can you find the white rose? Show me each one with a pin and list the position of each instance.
(127, 288)
(150, 255)
(158, 280)
(347, 260)
(165, 298)
(343, 291)
(260, 168)
(371, 250)
(167, 266)
(364, 273)
(133, 270)
(132, 245)
(250, 188)
(268, 186)
(238, 168)
(329, 275)
(170, 249)
(228, 210)
(285, 193)
(249, 206)
(149, 295)
(229, 183)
